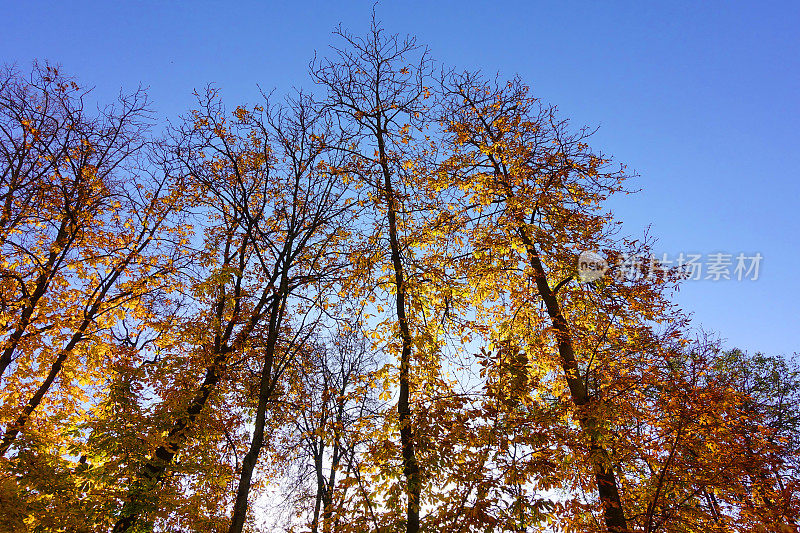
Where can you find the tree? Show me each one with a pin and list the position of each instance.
(308, 207)
(375, 89)
(329, 405)
(371, 299)
(768, 388)
(274, 212)
(85, 239)
(535, 191)
(75, 236)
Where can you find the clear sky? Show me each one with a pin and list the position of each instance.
(700, 98)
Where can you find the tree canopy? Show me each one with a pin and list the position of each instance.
(357, 308)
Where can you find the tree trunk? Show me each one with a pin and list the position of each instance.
(256, 443)
(318, 505)
(603, 471)
(410, 466)
(265, 391)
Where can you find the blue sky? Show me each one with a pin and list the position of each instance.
(700, 98)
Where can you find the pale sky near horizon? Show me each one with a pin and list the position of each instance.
(700, 99)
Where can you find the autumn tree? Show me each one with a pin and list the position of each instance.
(269, 213)
(766, 393)
(372, 297)
(376, 89)
(536, 192)
(331, 410)
(333, 431)
(696, 467)
(770, 385)
(309, 213)
(85, 239)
